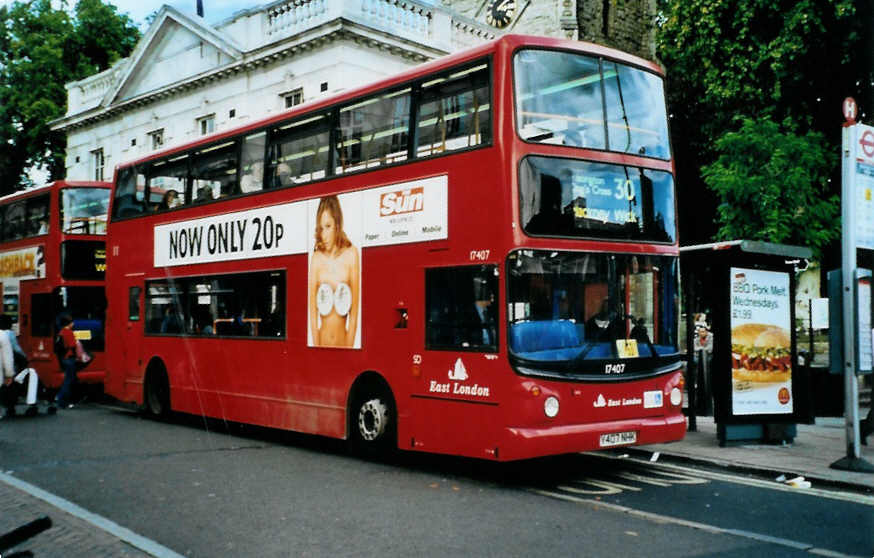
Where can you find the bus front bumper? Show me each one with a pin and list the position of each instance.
(526, 443)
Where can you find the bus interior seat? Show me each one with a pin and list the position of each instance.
(532, 337)
(128, 207)
(89, 324)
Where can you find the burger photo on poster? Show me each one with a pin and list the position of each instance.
(760, 353)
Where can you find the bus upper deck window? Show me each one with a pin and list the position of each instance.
(298, 152)
(168, 180)
(129, 193)
(252, 163)
(454, 112)
(214, 172)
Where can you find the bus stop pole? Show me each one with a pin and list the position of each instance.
(853, 460)
(810, 353)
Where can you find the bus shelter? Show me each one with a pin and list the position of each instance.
(741, 339)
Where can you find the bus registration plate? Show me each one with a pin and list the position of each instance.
(618, 439)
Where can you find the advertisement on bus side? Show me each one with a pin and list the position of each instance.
(15, 265)
(340, 226)
(26, 263)
(334, 284)
(412, 211)
(331, 230)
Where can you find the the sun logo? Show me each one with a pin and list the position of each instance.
(404, 201)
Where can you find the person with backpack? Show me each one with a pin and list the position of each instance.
(65, 350)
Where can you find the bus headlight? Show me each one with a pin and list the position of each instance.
(550, 406)
(676, 396)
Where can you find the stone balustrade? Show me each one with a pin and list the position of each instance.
(89, 92)
(294, 16)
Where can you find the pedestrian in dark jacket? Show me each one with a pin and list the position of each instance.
(67, 360)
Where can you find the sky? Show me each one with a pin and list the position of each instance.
(214, 11)
(138, 10)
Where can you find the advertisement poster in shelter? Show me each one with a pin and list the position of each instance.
(761, 354)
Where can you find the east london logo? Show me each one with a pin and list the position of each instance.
(603, 402)
(458, 374)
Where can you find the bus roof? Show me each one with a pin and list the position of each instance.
(509, 43)
(22, 194)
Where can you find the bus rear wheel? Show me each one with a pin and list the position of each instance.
(373, 422)
(157, 396)
(373, 419)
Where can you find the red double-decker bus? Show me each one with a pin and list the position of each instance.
(53, 260)
(476, 257)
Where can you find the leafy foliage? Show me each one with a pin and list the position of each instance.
(763, 60)
(754, 55)
(772, 185)
(41, 49)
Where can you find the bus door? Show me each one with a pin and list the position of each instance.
(130, 351)
(461, 368)
(36, 331)
(86, 304)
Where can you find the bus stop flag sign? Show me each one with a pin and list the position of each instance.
(861, 162)
(850, 109)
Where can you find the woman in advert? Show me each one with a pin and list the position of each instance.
(334, 280)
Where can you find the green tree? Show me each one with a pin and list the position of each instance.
(763, 59)
(41, 49)
(772, 185)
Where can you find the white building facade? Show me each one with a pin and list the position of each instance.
(186, 79)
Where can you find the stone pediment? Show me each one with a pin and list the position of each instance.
(175, 48)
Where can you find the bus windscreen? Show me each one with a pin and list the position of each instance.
(84, 210)
(571, 311)
(571, 99)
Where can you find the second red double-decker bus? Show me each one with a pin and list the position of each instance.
(53, 260)
(476, 257)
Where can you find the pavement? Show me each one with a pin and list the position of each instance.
(69, 535)
(810, 454)
(77, 532)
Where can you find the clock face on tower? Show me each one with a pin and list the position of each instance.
(499, 13)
